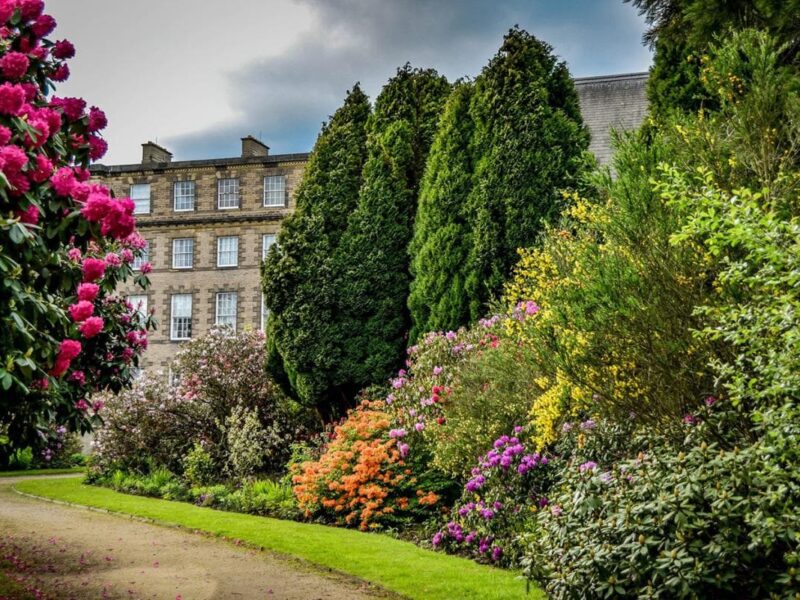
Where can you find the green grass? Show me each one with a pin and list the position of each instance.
(395, 565)
(11, 589)
(28, 472)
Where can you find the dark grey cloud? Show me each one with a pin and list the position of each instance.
(284, 98)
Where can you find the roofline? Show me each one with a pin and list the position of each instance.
(604, 78)
(208, 162)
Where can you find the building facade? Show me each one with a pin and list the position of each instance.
(208, 225)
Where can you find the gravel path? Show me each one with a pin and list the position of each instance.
(69, 552)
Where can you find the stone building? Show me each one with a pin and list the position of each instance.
(208, 224)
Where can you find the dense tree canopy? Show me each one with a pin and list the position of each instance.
(298, 274)
(681, 31)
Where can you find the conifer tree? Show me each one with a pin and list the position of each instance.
(442, 229)
(372, 259)
(299, 280)
(529, 142)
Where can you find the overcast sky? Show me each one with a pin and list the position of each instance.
(197, 75)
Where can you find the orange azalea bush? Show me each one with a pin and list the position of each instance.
(366, 475)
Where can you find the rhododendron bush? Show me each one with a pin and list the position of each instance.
(65, 244)
(221, 385)
(367, 476)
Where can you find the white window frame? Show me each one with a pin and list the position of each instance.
(275, 191)
(136, 193)
(264, 313)
(141, 300)
(138, 261)
(228, 252)
(176, 242)
(183, 192)
(179, 331)
(227, 301)
(228, 189)
(267, 240)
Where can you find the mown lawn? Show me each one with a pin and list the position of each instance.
(395, 565)
(30, 472)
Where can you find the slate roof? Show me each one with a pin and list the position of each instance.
(611, 102)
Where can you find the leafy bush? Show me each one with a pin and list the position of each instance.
(156, 422)
(366, 476)
(198, 467)
(710, 519)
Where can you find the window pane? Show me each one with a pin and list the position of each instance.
(138, 303)
(181, 318)
(140, 194)
(228, 193)
(226, 309)
(227, 251)
(184, 195)
(268, 240)
(275, 190)
(182, 253)
(138, 261)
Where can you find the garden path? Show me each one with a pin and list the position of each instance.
(70, 552)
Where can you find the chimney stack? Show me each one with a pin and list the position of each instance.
(253, 147)
(153, 153)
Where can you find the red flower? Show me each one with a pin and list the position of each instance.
(93, 269)
(91, 327)
(43, 26)
(80, 311)
(63, 49)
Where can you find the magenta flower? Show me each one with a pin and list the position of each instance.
(589, 465)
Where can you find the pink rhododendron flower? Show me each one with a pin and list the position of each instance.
(97, 147)
(63, 181)
(31, 9)
(12, 159)
(80, 311)
(96, 207)
(97, 119)
(12, 98)
(5, 135)
(88, 291)
(78, 376)
(74, 254)
(72, 108)
(63, 49)
(60, 73)
(14, 65)
(98, 406)
(93, 269)
(69, 349)
(146, 268)
(7, 9)
(29, 216)
(43, 26)
(126, 255)
(91, 327)
(113, 260)
(82, 405)
(43, 170)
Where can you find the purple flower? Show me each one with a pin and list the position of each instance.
(397, 433)
(419, 426)
(476, 483)
(556, 510)
(518, 429)
(588, 424)
(543, 501)
(403, 448)
(711, 401)
(488, 514)
(566, 428)
(450, 335)
(689, 419)
(437, 370)
(589, 465)
(497, 553)
(437, 538)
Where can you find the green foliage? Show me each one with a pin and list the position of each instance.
(715, 518)
(442, 228)
(372, 261)
(247, 442)
(528, 143)
(299, 276)
(198, 467)
(681, 32)
(491, 395)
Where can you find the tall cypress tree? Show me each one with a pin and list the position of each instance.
(372, 259)
(299, 279)
(442, 229)
(529, 139)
